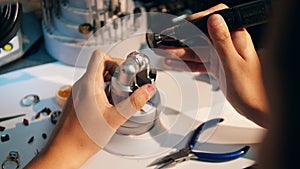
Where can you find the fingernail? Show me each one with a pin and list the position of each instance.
(216, 20)
(168, 61)
(175, 64)
(172, 62)
(151, 89)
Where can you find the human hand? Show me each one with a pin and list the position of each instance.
(70, 144)
(236, 66)
(190, 58)
(238, 70)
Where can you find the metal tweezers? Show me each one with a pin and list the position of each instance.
(10, 117)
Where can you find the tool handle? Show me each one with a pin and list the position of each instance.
(244, 15)
(222, 157)
(209, 124)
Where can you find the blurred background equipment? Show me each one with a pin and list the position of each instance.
(20, 31)
(179, 34)
(70, 25)
(67, 25)
(183, 8)
(10, 35)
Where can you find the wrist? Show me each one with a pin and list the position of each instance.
(68, 147)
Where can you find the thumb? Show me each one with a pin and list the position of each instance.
(134, 102)
(140, 96)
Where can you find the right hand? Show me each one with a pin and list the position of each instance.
(236, 68)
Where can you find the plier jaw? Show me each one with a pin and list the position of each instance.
(173, 159)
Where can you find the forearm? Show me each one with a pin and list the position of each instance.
(60, 158)
(62, 150)
(249, 98)
(258, 115)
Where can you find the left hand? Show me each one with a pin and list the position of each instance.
(69, 145)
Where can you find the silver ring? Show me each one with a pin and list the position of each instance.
(13, 157)
(55, 116)
(29, 100)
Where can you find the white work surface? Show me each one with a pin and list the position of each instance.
(44, 81)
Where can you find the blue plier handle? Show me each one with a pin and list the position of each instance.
(188, 153)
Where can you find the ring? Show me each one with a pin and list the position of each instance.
(30, 100)
(13, 157)
(55, 116)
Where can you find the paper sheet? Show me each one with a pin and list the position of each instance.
(45, 80)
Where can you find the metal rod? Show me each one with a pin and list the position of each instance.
(11, 117)
(46, 9)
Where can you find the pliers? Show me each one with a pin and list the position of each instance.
(187, 153)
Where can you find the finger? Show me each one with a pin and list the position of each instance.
(95, 70)
(206, 12)
(107, 77)
(196, 54)
(220, 36)
(100, 61)
(174, 52)
(126, 108)
(243, 43)
(177, 64)
(140, 96)
(94, 62)
(101, 67)
(112, 63)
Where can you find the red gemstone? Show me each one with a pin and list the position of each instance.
(37, 115)
(30, 140)
(44, 135)
(46, 110)
(25, 122)
(4, 137)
